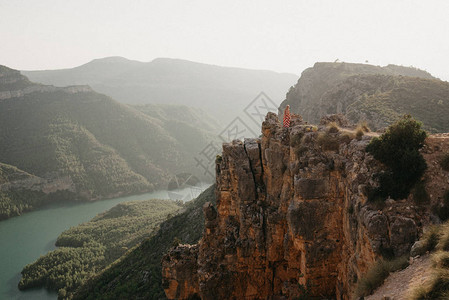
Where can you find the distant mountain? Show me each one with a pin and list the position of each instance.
(223, 92)
(378, 95)
(75, 141)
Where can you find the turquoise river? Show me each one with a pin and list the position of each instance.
(23, 239)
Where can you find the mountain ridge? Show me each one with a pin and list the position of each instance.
(222, 92)
(91, 145)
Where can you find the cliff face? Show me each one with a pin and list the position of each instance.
(292, 217)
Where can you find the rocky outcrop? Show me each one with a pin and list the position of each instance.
(292, 219)
(377, 95)
(44, 89)
(15, 85)
(14, 179)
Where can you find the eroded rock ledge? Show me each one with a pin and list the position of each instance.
(292, 214)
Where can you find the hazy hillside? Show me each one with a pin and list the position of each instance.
(77, 140)
(222, 91)
(378, 95)
(137, 275)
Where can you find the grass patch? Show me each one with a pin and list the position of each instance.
(443, 243)
(431, 238)
(437, 289)
(363, 126)
(428, 241)
(359, 134)
(346, 137)
(378, 273)
(436, 237)
(332, 127)
(441, 259)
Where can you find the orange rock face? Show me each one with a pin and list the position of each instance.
(291, 220)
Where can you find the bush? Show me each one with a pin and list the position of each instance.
(378, 273)
(398, 149)
(444, 162)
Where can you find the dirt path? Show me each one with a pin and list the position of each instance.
(399, 284)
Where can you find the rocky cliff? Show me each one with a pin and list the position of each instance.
(293, 219)
(378, 95)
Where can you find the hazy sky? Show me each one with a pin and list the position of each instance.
(285, 36)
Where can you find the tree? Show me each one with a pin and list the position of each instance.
(398, 149)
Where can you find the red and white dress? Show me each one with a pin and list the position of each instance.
(287, 117)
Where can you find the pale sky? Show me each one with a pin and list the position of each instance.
(284, 36)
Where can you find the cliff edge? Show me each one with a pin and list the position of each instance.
(293, 218)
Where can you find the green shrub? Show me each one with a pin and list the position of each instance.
(398, 149)
(444, 162)
(378, 273)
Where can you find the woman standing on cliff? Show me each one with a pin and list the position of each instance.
(287, 117)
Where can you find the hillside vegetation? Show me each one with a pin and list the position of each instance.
(88, 248)
(18, 192)
(137, 275)
(378, 95)
(88, 146)
(223, 92)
